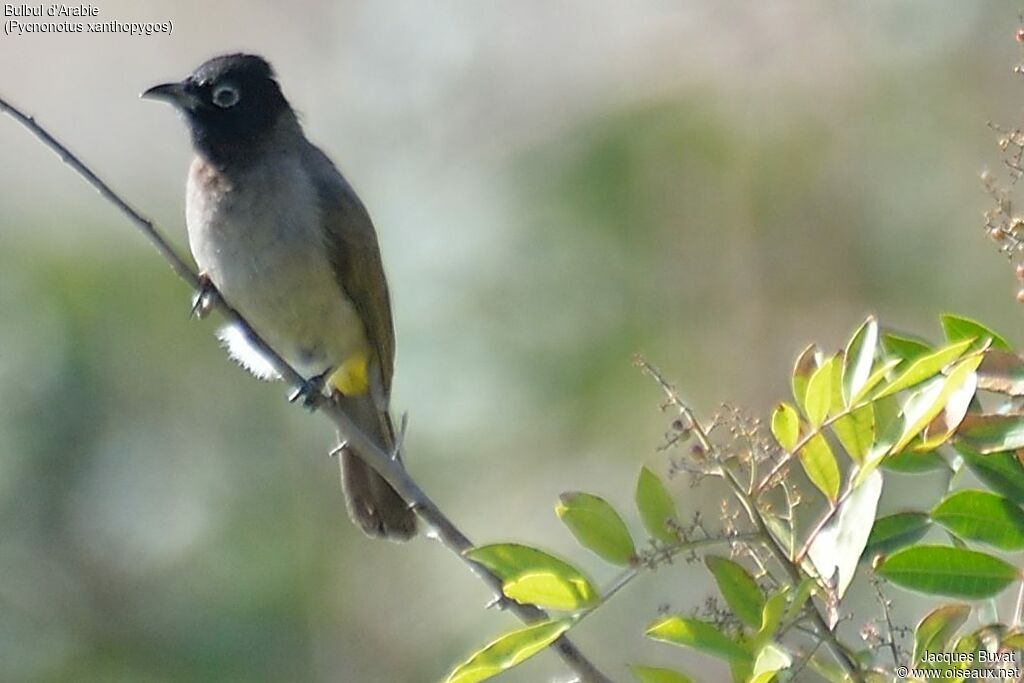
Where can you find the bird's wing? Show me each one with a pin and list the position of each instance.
(355, 257)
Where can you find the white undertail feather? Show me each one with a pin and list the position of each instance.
(234, 339)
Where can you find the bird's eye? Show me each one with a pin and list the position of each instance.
(225, 96)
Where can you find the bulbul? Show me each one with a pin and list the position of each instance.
(281, 234)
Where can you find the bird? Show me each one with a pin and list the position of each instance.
(281, 235)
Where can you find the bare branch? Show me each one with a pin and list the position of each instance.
(441, 527)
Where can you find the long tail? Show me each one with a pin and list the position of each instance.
(372, 503)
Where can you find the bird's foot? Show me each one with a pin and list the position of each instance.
(311, 392)
(205, 300)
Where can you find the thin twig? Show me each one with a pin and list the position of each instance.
(887, 612)
(441, 526)
(627, 575)
(747, 500)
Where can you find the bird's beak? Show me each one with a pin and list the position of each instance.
(180, 94)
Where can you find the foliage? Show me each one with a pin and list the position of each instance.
(785, 554)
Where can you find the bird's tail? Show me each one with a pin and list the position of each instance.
(372, 502)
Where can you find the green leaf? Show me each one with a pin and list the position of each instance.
(820, 466)
(836, 403)
(888, 421)
(912, 462)
(859, 358)
(597, 526)
(925, 367)
(874, 459)
(877, 376)
(1001, 471)
(943, 570)
(970, 643)
(770, 660)
(904, 347)
(698, 635)
(894, 532)
(551, 590)
(818, 401)
(984, 517)
(531, 576)
(806, 364)
(508, 651)
(650, 674)
(786, 426)
(771, 617)
(856, 432)
(958, 328)
(937, 628)
(926, 404)
(657, 509)
(838, 546)
(739, 589)
(992, 433)
(941, 429)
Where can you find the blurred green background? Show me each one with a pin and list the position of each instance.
(557, 185)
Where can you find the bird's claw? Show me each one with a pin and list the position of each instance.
(205, 300)
(311, 391)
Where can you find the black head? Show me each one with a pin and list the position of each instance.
(231, 104)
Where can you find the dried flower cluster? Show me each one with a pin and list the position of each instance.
(1002, 225)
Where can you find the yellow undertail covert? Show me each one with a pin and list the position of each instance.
(351, 378)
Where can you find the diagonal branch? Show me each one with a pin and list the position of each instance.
(441, 527)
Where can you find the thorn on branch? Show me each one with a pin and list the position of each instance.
(396, 452)
(499, 602)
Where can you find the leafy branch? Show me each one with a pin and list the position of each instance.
(890, 403)
(887, 402)
(748, 503)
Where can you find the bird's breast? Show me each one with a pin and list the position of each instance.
(259, 238)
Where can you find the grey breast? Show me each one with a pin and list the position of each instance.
(259, 237)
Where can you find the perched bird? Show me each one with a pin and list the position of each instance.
(283, 237)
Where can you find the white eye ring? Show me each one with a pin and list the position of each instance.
(225, 96)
